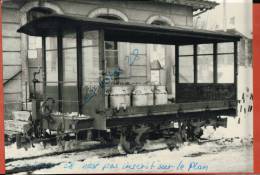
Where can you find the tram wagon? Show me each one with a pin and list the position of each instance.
(82, 95)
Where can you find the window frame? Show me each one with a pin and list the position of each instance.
(197, 65)
(180, 56)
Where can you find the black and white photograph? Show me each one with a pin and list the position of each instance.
(127, 86)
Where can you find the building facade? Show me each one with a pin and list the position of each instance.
(22, 54)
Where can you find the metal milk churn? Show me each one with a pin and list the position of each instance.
(142, 95)
(120, 96)
(161, 97)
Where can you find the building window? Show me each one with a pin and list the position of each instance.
(52, 69)
(69, 73)
(111, 48)
(158, 56)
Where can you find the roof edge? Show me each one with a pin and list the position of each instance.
(195, 4)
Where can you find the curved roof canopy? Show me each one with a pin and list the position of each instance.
(54, 25)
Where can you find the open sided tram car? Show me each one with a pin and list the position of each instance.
(98, 117)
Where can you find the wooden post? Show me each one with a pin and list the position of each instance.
(44, 67)
(25, 62)
(168, 64)
(79, 69)
(60, 71)
(102, 64)
(176, 65)
(215, 63)
(195, 62)
(100, 118)
(235, 66)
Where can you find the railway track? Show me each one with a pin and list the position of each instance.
(33, 163)
(90, 148)
(30, 168)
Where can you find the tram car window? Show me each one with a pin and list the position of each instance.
(70, 97)
(52, 70)
(205, 63)
(186, 64)
(226, 63)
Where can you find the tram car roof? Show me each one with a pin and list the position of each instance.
(121, 31)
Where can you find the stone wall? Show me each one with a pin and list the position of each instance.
(12, 63)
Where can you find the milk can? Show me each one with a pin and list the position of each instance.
(142, 95)
(150, 95)
(161, 97)
(120, 96)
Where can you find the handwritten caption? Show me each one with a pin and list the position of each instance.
(149, 167)
(110, 75)
(133, 56)
(106, 81)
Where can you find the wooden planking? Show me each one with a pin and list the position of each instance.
(10, 30)
(138, 71)
(10, 15)
(204, 92)
(123, 49)
(142, 111)
(138, 60)
(11, 58)
(134, 80)
(11, 44)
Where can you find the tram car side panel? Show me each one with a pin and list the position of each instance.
(205, 92)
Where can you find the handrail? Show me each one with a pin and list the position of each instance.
(15, 75)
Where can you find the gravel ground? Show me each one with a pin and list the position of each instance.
(231, 150)
(224, 155)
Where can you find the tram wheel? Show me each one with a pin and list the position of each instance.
(194, 129)
(176, 140)
(132, 139)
